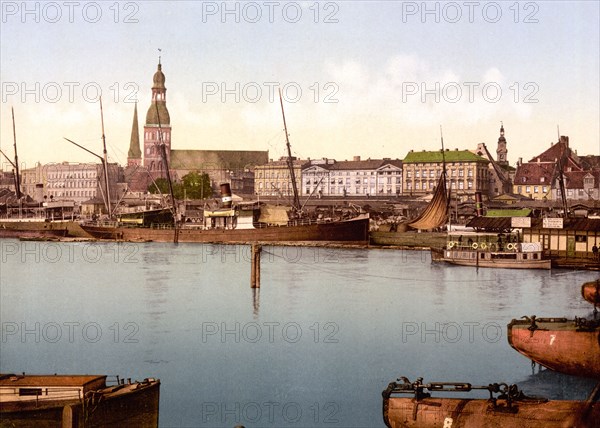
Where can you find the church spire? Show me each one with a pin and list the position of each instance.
(134, 156)
(501, 151)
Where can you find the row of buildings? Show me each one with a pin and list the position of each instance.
(547, 176)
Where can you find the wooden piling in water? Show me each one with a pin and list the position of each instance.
(255, 266)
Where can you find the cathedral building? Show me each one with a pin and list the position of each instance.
(233, 166)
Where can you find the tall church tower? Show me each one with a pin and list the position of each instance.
(134, 156)
(157, 120)
(501, 151)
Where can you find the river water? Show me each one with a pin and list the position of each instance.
(313, 347)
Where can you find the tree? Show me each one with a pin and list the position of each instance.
(192, 186)
(197, 185)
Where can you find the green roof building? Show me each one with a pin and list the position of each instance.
(467, 173)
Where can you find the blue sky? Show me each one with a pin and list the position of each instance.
(376, 78)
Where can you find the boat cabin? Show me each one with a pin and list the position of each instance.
(47, 387)
(465, 240)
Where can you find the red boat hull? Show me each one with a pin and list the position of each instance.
(558, 344)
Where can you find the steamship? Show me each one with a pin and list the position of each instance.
(241, 223)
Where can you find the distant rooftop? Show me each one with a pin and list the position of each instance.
(449, 155)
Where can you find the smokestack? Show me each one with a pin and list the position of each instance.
(226, 195)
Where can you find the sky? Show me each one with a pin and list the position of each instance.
(368, 78)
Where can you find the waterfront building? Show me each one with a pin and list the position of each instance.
(467, 173)
(370, 177)
(273, 178)
(76, 182)
(540, 178)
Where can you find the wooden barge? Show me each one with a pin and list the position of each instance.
(77, 401)
(506, 407)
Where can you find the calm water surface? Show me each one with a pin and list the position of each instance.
(315, 346)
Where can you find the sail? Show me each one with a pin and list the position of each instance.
(436, 213)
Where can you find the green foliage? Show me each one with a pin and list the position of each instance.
(193, 185)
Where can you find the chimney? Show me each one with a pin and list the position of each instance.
(356, 158)
(520, 162)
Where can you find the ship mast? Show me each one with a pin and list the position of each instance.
(444, 182)
(290, 162)
(163, 152)
(16, 164)
(105, 162)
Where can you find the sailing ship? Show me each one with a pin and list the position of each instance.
(28, 220)
(242, 223)
(506, 406)
(567, 346)
(77, 401)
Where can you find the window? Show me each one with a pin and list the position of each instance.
(408, 174)
(461, 172)
(535, 189)
(417, 173)
(30, 391)
(527, 189)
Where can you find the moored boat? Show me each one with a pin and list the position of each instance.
(591, 292)
(77, 401)
(491, 250)
(240, 224)
(567, 346)
(506, 406)
(21, 228)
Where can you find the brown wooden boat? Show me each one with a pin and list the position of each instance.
(506, 407)
(238, 225)
(591, 292)
(77, 401)
(567, 346)
(32, 229)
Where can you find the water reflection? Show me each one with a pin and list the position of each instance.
(365, 317)
(255, 302)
